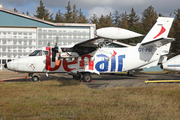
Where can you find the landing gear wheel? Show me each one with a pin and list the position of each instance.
(35, 78)
(130, 73)
(77, 77)
(87, 77)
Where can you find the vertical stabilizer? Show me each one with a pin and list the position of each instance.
(159, 30)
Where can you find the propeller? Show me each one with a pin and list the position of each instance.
(54, 50)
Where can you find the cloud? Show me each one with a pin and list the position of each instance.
(98, 6)
(99, 11)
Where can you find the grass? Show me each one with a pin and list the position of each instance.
(71, 100)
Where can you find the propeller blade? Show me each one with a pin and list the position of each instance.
(54, 51)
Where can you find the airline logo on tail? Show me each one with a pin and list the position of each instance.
(161, 32)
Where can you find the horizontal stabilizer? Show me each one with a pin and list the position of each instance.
(158, 42)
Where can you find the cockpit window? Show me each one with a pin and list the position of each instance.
(39, 53)
(45, 52)
(36, 53)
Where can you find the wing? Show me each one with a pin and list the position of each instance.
(89, 46)
(90, 43)
(79, 49)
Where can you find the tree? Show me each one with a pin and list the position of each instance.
(177, 14)
(175, 33)
(75, 14)
(27, 13)
(124, 20)
(133, 19)
(15, 10)
(116, 18)
(109, 20)
(95, 20)
(59, 17)
(81, 17)
(68, 13)
(149, 18)
(102, 21)
(42, 12)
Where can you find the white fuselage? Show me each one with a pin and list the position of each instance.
(104, 60)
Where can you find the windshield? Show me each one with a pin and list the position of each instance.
(39, 53)
(36, 53)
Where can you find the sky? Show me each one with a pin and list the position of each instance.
(98, 7)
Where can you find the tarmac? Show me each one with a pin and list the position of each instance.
(99, 81)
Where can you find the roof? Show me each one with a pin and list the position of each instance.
(44, 21)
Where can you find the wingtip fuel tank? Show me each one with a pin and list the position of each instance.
(116, 33)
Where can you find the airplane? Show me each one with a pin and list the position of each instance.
(172, 64)
(98, 55)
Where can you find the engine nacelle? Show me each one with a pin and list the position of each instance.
(116, 33)
(172, 64)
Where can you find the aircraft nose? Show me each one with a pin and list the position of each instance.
(5, 65)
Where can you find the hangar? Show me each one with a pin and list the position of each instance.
(21, 34)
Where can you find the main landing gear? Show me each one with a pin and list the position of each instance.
(35, 78)
(85, 76)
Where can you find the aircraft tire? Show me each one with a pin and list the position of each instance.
(87, 77)
(35, 78)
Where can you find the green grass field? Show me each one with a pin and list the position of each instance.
(72, 100)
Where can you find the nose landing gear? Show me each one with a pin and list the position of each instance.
(35, 78)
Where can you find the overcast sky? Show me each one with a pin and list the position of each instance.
(98, 7)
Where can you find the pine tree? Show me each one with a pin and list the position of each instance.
(149, 18)
(42, 12)
(116, 18)
(124, 20)
(81, 17)
(102, 21)
(133, 19)
(68, 14)
(177, 14)
(75, 14)
(95, 20)
(59, 17)
(109, 20)
(175, 33)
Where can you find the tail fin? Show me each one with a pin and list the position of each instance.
(159, 30)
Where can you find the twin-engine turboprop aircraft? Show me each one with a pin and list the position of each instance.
(97, 56)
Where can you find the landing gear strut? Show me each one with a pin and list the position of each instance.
(78, 77)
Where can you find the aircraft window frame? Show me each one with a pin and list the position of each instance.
(36, 53)
(45, 52)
